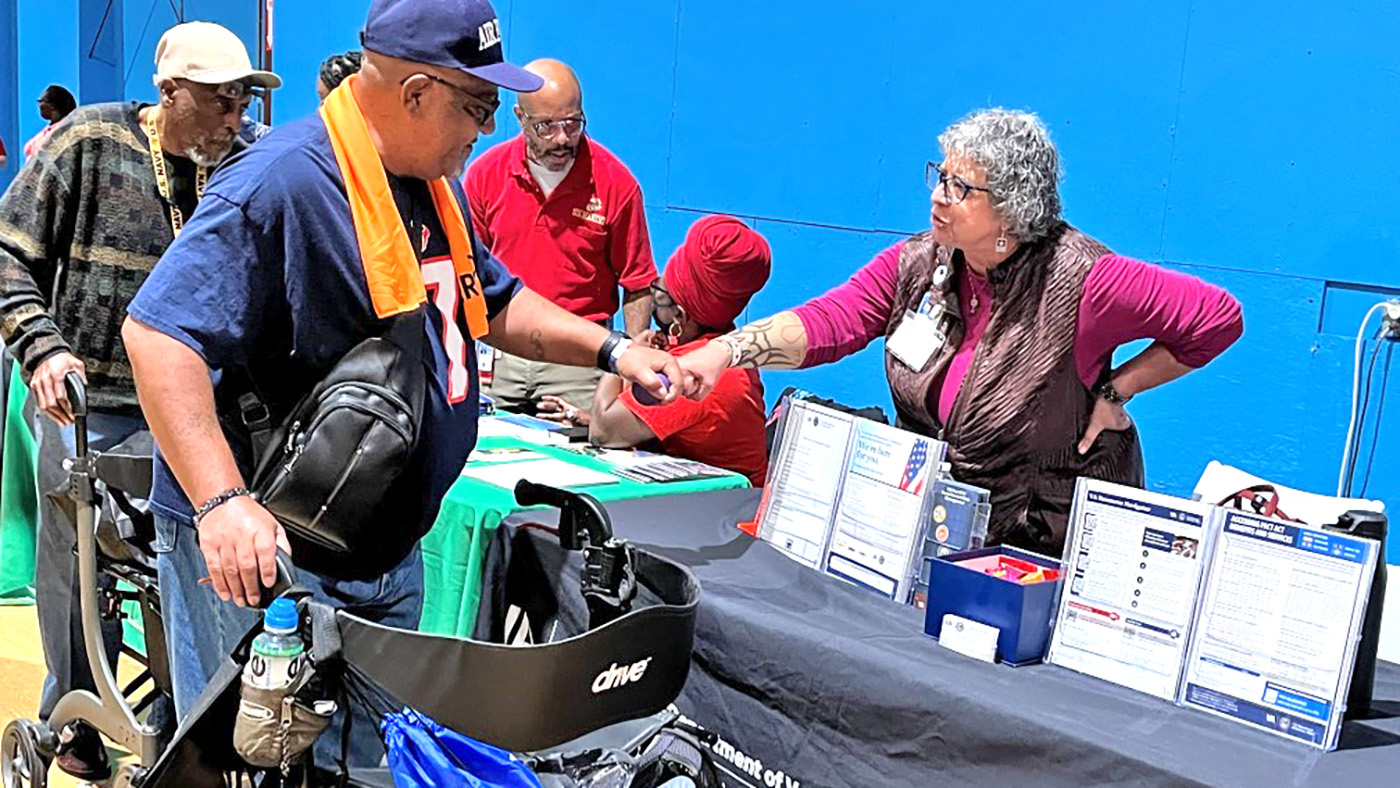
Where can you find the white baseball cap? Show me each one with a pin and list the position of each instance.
(209, 54)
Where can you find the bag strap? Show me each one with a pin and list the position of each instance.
(257, 419)
(1262, 498)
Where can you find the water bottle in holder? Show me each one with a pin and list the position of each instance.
(273, 728)
(279, 655)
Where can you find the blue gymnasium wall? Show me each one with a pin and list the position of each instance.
(1250, 144)
(1234, 141)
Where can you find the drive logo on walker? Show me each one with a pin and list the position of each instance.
(620, 675)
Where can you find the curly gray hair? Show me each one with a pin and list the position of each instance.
(1023, 167)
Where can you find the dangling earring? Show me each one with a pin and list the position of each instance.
(1001, 241)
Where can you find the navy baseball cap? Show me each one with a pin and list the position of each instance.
(463, 35)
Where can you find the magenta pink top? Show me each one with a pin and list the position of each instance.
(1124, 300)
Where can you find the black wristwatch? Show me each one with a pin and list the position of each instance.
(1105, 390)
(613, 347)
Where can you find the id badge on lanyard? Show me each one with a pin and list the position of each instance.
(920, 334)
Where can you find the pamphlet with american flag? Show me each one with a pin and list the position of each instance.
(850, 497)
(880, 519)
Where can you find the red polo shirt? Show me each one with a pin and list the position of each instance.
(574, 248)
(725, 429)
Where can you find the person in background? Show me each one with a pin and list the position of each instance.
(251, 130)
(108, 192)
(565, 215)
(335, 69)
(707, 284)
(55, 104)
(1000, 325)
(308, 244)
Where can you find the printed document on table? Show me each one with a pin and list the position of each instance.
(1132, 572)
(555, 473)
(1278, 625)
(878, 531)
(805, 481)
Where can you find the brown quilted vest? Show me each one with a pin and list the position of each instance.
(1017, 420)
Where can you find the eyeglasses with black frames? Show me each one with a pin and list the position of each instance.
(479, 109)
(956, 188)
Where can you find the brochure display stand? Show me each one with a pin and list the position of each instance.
(851, 497)
(1226, 612)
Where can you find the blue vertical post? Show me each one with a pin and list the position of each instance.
(9, 103)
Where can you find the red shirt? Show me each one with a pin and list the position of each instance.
(724, 429)
(32, 147)
(576, 246)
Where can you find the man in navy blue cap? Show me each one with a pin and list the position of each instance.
(272, 282)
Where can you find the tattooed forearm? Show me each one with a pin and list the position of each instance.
(537, 344)
(777, 342)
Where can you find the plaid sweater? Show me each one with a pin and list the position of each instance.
(80, 228)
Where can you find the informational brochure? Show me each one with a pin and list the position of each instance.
(1133, 568)
(805, 481)
(520, 427)
(555, 473)
(958, 521)
(850, 496)
(1278, 627)
(960, 517)
(1245, 617)
(879, 520)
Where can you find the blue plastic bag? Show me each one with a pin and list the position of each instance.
(423, 754)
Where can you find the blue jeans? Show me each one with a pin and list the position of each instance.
(203, 630)
(55, 566)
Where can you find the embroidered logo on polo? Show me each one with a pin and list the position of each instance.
(593, 212)
(489, 34)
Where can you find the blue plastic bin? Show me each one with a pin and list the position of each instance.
(1023, 613)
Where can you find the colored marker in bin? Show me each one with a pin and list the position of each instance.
(640, 393)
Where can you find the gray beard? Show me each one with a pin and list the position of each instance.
(202, 159)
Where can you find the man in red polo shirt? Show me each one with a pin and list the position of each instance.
(565, 215)
(709, 281)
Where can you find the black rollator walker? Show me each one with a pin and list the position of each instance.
(27, 748)
(589, 644)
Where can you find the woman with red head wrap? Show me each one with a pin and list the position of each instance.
(707, 284)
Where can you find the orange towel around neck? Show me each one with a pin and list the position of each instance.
(391, 268)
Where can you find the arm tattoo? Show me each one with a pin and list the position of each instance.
(537, 344)
(766, 343)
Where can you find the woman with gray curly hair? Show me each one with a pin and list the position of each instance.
(1000, 324)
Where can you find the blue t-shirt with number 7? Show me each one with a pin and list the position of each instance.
(266, 284)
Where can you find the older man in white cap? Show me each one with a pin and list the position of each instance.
(103, 198)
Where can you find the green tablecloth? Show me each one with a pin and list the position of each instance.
(455, 549)
(19, 499)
